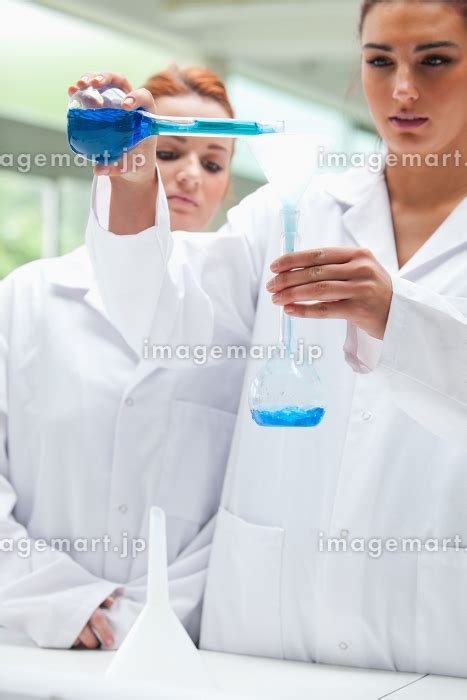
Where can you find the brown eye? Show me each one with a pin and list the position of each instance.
(379, 62)
(167, 155)
(436, 61)
(212, 167)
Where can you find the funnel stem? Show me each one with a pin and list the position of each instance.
(157, 586)
(290, 223)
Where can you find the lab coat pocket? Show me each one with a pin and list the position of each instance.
(441, 622)
(242, 604)
(196, 452)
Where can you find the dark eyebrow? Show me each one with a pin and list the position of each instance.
(420, 47)
(379, 47)
(215, 147)
(437, 45)
(183, 139)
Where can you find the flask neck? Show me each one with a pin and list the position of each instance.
(290, 216)
(289, 227)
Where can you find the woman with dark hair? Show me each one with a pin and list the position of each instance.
(384, 474)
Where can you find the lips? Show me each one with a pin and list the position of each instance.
(407, 120)
(182, 200)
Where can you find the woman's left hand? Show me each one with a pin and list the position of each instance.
(347, 283)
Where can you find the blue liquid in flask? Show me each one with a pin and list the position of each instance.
(103, 135)
(289, 417)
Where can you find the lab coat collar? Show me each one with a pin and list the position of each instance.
(448, 237)
(74, 272)
(353, 186)
(367, 216)
(364, 199)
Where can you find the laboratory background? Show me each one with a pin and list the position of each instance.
(291, 60)
(296, 61)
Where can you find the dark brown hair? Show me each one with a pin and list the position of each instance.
(460, 5)
(185, 81)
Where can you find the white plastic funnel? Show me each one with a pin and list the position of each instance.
(157, 648)
(289, 161)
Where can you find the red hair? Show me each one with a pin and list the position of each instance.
(185, 81)
(460, 5)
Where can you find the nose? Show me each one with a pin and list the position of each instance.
(189, 175)
(405, 90)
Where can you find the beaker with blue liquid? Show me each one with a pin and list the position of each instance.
(286, 393)
(101, 131)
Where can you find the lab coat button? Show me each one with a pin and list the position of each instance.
(343, 646)
(123, 508)
(367, 416)
(129, 402)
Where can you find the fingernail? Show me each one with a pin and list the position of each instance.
(104, 171)
(83, 79)
(270, 285)
(274, 267)
(275, 298)
(128, 100)
(99, 77)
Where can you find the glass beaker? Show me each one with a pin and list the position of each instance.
(101, 131)
(284, 393)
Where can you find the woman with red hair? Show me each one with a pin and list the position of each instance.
(89, 435)
(195, 172)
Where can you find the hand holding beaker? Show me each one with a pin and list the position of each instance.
(344, 283)
(138, 164)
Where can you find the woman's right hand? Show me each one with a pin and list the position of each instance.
(137, 166)
(98, 623)
(133, 178)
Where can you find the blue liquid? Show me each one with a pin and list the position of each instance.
(104, 134)
(289, 417)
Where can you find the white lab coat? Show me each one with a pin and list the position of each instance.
(89, 441)
(388, 461)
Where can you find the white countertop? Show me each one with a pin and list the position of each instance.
(79, 674)
(434, 688)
